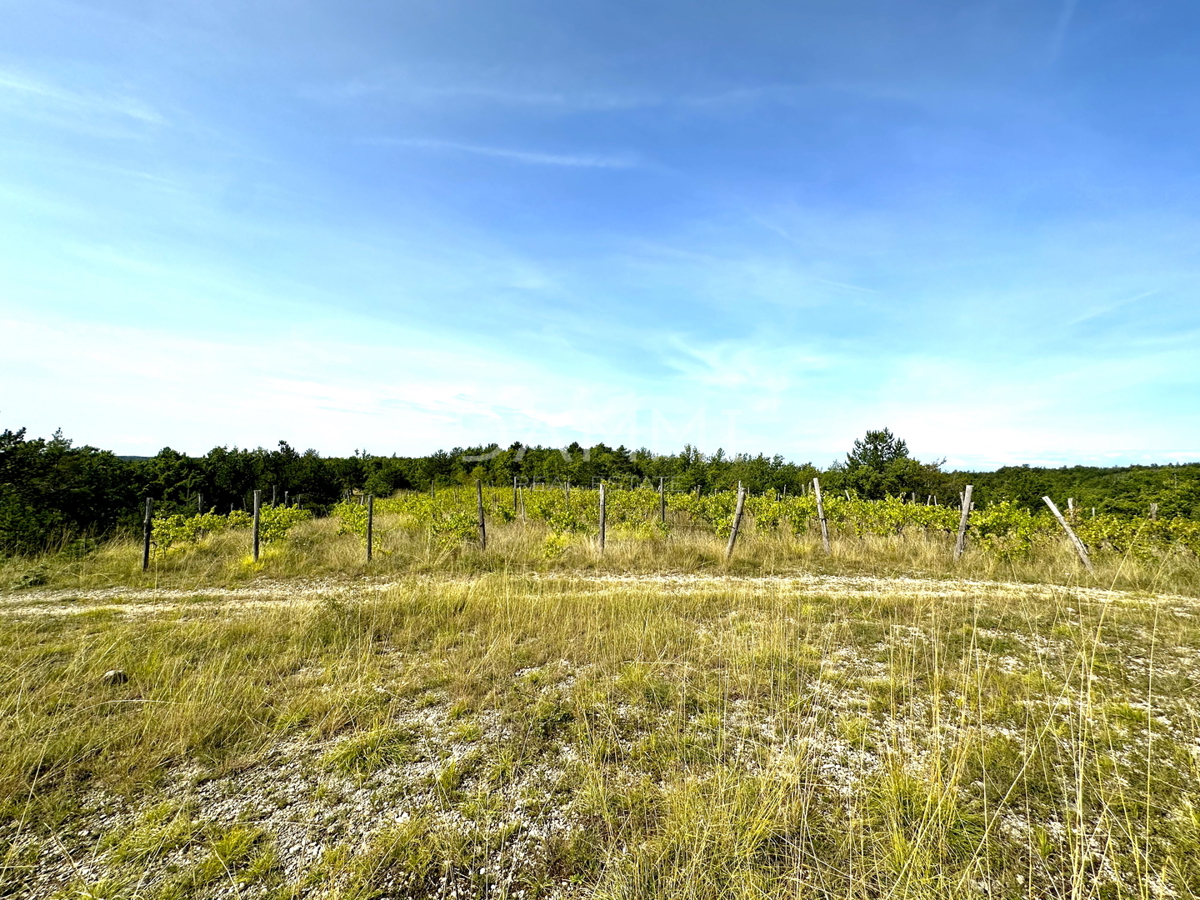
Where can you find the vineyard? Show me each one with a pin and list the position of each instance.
(571, 516)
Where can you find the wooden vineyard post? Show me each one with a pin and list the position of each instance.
(272, 496)
(567, 492)
(514, 496)
(662, 499)
(257, 504)
(370, 525)
(737, 521)
(199, 504)
(147, 531)
(482, 524)
(961, 543)
(603, 516)
(1079, 547)
(821, 514)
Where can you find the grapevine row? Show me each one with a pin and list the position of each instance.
(1000, 528)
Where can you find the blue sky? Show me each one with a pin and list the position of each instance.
(768, 227)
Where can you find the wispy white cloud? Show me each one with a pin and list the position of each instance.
(13, 81)
(42, 99)
(529, 157)
(1060, 29)
(597, 101)
(1101, 311)
(745, 365)
(418, 90)
(424, 88)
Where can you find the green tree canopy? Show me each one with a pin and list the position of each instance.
(879, 466)
(876, 451)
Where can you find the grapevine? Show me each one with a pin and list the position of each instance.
(1002, 529)
(175, 532)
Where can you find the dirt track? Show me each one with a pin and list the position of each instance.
(302, 592)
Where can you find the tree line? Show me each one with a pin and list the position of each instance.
(53, 492)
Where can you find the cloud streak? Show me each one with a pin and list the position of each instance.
(22, 86)
(526, 157)
(420, 89)
(1060, 29)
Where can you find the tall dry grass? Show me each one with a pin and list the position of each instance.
(543, 737)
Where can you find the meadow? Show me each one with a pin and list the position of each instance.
(543, 719)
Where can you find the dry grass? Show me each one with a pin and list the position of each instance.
(513, 736)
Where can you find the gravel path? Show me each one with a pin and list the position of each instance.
(306, 591)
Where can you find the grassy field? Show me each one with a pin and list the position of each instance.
(526, 723)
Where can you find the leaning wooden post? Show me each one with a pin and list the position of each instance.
(737, 520)
(1079, 547)
(147, 531)
(961, 543)
(370, 525)
(257, 503)
(821, 514)
(482, 525)
(603, 516)
(662, 499)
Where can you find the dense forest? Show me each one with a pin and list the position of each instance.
(52, 492)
